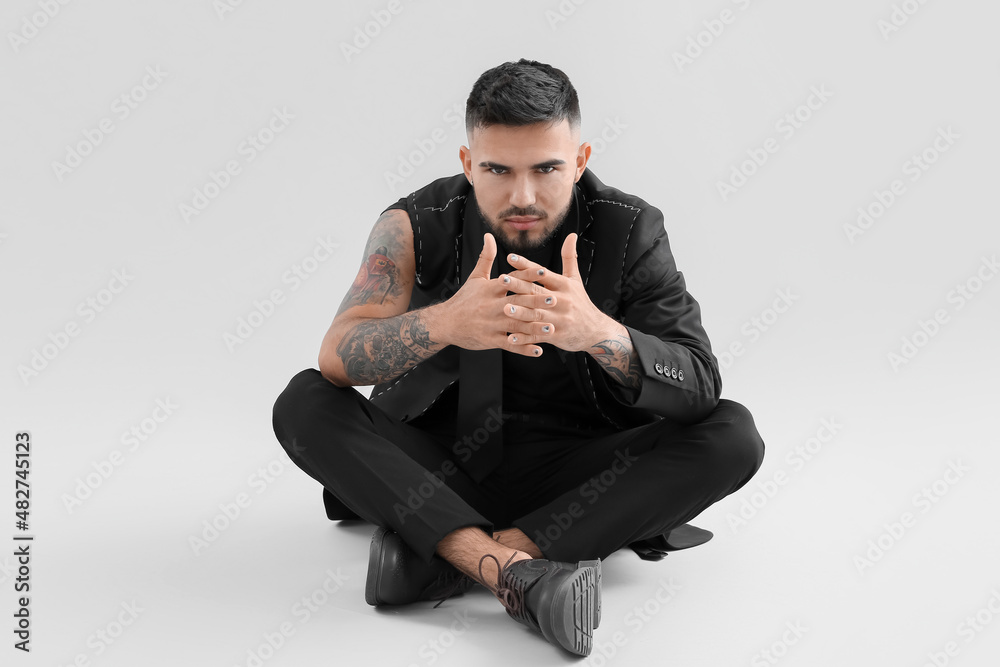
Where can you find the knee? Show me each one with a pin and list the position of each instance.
(307, 391)
(734, 447)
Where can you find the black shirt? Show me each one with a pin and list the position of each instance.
(539, 394)
(540, 397)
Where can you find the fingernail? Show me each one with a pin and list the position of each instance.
(513, 258)
(548, 300)
(512, 309)
(506, 279)
(538, 351)
(514, 338)
(545, 328)
(541, 271)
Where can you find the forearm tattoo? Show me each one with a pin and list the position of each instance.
(378, 350)
(617, 357)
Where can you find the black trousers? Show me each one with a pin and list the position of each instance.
(577, 495)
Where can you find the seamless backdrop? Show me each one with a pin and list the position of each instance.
(186, 191)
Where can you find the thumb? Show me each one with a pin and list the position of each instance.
(569, 265)
(484, 266)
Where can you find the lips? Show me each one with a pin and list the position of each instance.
(522, 223)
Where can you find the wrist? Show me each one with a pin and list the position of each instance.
(437, 317)
(609, 329)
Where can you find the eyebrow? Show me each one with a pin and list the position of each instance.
(547, 163)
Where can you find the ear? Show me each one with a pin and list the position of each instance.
(465, 157)
(582, 158)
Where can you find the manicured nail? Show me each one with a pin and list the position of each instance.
(548, 300)
(514, 338)
(541, 272)
(545, 328)
(506, 280)
(513, 258)
(538, 351)
(512, 309)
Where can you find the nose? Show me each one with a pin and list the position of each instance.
(523, 195)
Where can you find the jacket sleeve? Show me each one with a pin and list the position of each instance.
(680, 374)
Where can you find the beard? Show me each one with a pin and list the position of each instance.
(521, 240)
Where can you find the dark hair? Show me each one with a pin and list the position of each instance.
(521, 93)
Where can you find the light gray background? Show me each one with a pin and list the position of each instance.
(680, 130)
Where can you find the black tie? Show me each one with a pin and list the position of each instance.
(480, 378)
(479, 449)
(480, 400)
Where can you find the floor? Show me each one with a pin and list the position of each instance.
(185, 192)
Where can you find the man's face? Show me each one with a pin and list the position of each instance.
(523, 179)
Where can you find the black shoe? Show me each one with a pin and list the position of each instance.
(397, 575)
(681, 537)
(335, 509)
(556, 599)
(595, 565)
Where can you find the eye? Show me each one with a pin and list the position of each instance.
(497, 170)
(547, 170)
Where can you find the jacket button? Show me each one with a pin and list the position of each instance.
(680, 375)
(659, 368)
(673, 373)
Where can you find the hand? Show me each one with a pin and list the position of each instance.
(574, 322)
(473, 316)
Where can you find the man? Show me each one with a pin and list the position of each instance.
(545, 393)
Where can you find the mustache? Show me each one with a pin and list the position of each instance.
(522, 212)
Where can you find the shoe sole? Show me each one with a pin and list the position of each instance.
(596, 566)
(570, 621)
(375, 567)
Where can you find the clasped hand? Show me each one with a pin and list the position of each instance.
(545, 307)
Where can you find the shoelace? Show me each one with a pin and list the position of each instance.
(460, 582)
(511, 598)
(463, 579)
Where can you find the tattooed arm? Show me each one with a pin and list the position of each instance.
(373, 338)
(618, 357)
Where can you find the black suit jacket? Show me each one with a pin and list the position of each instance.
(628, 271)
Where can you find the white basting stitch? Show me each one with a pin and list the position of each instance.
(420, 243)
(434, 208)
(438, 396)
(394, 383)
(458, 253)
(612, 201)
(628, 237)
(590, 383)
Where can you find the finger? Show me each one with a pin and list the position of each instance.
(484, 266)
(519, 286)
(525, 313)
(569, 265)
(503, 342)
(537, 302)
(541, 275)
(524, 350)
(529, 271)
(537, 333)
